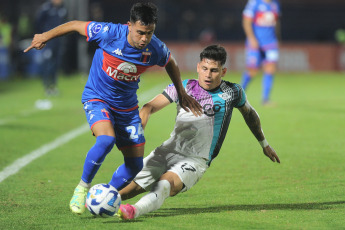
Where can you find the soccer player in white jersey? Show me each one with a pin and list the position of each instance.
(179, 163)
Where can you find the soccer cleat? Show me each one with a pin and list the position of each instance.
(77, 203)
(126, 212)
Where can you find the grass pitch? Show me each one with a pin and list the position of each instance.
(242, 189)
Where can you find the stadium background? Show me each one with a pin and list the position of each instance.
(43, 148)
(307, 31)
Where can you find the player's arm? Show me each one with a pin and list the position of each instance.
(39, 40)
(253, 121)
(247, 24)
(187, 102)
(156, 104)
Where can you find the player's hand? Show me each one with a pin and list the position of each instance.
(38, 42)
(190, 104)
(271, 153)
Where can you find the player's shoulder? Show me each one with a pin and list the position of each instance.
(228, 84)
(190, 83)
(115, 26)
(157, 44)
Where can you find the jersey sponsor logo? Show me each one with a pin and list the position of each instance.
(123, 71)
(224, 96)
(126, 68)
(211, 110)
(265, 19)
(97, 28)
(118, 52)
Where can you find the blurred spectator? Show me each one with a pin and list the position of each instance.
(5, 44)
(51, 14)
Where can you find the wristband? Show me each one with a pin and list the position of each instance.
(263, 143)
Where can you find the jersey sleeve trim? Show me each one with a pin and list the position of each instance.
(168, 60)
(242, 100)
(167, 96)
(87, 35)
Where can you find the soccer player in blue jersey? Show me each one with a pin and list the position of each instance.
(179, 163)
(260, 24)
(109, 97)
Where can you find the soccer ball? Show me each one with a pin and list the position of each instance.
(103, 200)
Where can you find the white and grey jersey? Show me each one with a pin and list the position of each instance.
(203, 136)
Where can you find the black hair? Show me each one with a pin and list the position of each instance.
(145, 12)
(214, 52)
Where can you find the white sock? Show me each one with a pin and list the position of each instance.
(84, 184)
(154, 199)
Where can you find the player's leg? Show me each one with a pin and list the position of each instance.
(102, 128)
(153, 200)
(131, 141)
(269, 69)
(133, 163)
(181, 176)
(155, 165)
(252, 65)
(131, 190)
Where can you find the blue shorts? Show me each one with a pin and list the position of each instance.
(255, 57)
(127, 124)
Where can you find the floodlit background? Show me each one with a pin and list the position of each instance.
(308, 32)
(44, 138)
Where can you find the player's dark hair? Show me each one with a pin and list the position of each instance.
(214, 52)
(145, 12)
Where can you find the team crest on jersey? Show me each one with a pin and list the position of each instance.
(225, 96)
(145, 56)
(105, 113)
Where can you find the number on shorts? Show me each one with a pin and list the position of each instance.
(133, 130)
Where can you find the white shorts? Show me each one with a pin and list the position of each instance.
(159, 161)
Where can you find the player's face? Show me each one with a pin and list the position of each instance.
(139, 35)
(210, 73)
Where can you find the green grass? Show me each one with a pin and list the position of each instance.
(242, 190)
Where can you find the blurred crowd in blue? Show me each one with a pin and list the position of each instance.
(179, 20)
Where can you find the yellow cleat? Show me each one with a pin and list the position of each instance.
(77, 203)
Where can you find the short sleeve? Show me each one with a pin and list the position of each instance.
(165, 55)
(102, 31)
(170, 93)
(241, 97)
(249, 10)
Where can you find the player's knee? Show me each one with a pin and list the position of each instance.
(175, 183)
(269, 68)
(105, 142)
(252, 72)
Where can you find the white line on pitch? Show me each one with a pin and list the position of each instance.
(28, 158)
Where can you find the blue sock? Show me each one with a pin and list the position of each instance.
(245, 80)
(267, 83)
(96, 155)
(126, 172)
